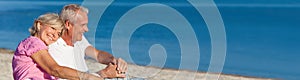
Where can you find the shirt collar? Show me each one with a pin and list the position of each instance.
(61, 41)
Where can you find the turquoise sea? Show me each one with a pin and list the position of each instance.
(263, 36)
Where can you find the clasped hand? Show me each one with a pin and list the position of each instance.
(116, 69)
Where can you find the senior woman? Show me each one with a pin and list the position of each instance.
(31, 59)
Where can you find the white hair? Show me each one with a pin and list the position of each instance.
(70, 12)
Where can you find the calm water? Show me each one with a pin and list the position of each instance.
(262, 37)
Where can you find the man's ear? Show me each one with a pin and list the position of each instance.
(68, 24)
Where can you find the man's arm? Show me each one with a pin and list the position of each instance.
(101, 56)
(106, 58)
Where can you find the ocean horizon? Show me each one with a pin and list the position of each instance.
(262, 36)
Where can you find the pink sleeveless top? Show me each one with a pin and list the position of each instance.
(23, 65)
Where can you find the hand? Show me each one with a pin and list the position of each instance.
(110, 72)
(121, 65)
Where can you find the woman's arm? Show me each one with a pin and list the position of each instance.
(47, 63)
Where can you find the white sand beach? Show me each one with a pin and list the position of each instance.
(134, 71)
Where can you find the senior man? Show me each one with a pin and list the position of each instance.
(72, 47)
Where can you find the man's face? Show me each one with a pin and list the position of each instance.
(80, 26)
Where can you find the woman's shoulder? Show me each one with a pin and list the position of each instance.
(31, 44)
(31, 40)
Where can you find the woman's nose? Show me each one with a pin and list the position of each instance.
(56, 35)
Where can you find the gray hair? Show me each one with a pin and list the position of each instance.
(69, 12)
(46, 19)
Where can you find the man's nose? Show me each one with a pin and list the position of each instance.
(85, 28)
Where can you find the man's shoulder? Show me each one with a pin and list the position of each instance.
(58, 43)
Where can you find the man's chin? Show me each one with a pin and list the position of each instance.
(78, 39)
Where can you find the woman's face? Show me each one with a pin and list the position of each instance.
(49, 34)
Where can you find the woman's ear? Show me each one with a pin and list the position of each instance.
(38, 26)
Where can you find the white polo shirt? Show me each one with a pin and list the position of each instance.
(69, 56)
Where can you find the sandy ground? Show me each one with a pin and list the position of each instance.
(134, 71)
